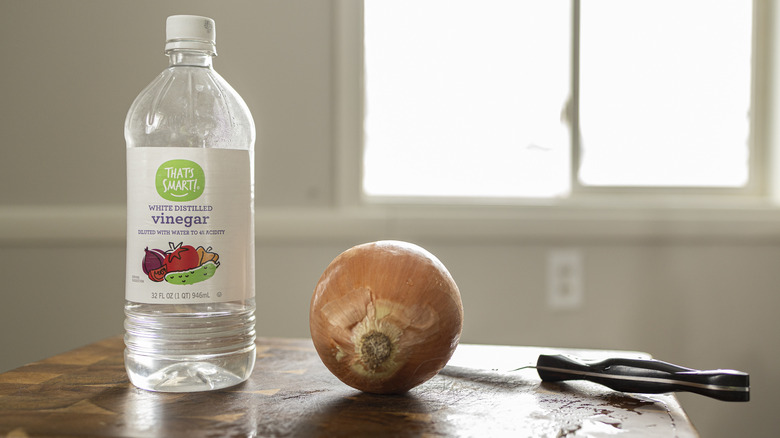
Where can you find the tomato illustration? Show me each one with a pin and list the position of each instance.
(158, 275)
(182, 258)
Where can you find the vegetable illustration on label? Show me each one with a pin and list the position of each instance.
(203, 272)
(181, 258)
(181, 264)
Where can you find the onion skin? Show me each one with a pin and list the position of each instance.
(385, 316)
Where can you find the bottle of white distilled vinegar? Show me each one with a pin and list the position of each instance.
(190, 286)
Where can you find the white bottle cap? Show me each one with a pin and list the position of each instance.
(190, 32)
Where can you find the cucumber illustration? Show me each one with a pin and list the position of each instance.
(192, 276)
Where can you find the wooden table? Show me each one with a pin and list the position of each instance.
(85, 392)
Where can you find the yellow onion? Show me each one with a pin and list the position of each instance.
(385, 316)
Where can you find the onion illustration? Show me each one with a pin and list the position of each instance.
(153, 260)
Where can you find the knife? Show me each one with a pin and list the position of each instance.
(646, 376)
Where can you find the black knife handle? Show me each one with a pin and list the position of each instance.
(646, 376)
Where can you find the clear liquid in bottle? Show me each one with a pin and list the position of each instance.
(190, 299)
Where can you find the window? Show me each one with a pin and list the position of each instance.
(664, 92)
(543, 99)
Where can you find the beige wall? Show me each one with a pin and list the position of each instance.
(654, 281)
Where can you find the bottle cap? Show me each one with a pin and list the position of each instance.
(190, 32)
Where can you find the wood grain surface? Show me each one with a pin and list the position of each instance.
(85, 392)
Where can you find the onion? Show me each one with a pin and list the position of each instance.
(385, 316)
(153, 260)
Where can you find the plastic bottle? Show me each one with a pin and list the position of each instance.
(190, 298)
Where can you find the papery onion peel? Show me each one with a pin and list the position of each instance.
(385, 316)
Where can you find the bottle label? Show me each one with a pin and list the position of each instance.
(190, 229)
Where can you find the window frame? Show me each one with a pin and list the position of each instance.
(760, 191)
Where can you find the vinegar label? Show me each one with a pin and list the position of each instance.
(190, 229)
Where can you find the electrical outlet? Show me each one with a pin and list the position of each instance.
(564, 279)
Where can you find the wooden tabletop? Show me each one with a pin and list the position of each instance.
(85, 392)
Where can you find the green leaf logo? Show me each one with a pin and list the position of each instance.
(180, 180)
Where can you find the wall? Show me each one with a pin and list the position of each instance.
(697, 288)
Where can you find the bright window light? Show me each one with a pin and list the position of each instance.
(467, 98)
(464, 98)
(665, 92)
